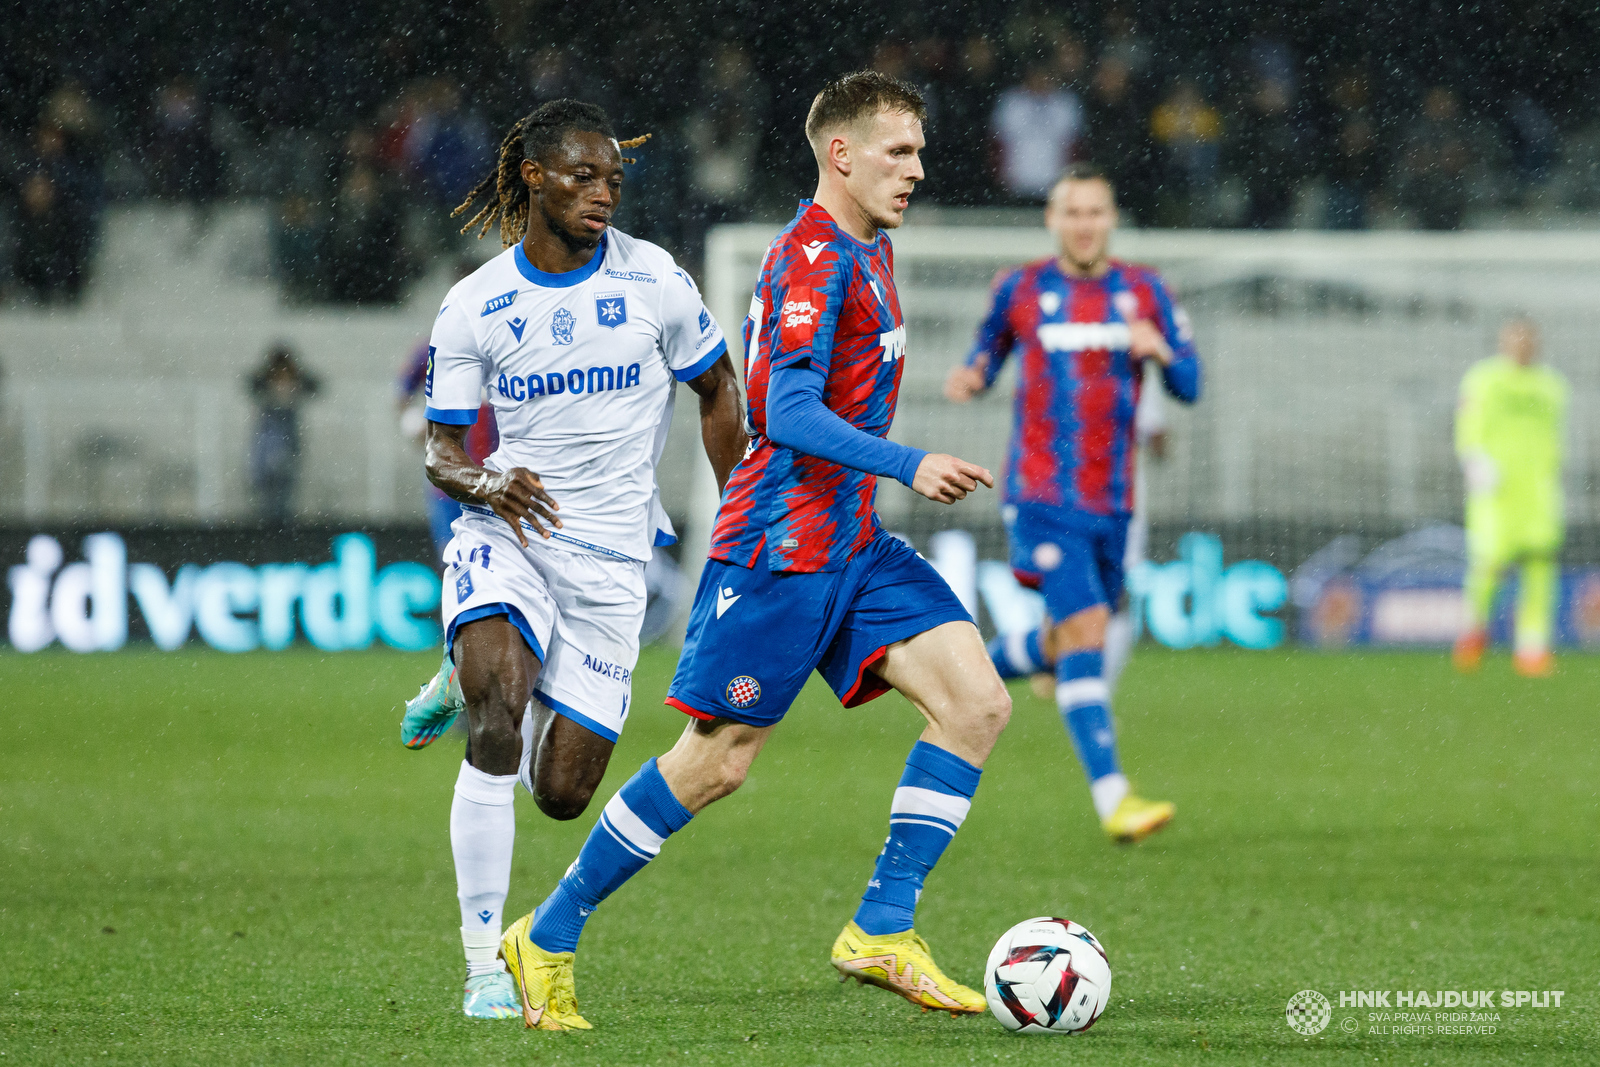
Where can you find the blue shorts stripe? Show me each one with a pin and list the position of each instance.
(567, 711)
(484, 611)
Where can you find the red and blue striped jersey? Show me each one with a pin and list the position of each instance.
(825, 298)
(1072, 437)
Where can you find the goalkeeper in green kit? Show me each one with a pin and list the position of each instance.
(1508, 438)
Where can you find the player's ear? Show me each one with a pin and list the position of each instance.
(532, 174)
(839, 154)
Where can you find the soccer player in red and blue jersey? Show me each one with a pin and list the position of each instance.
(802, 577)
(1081, 325)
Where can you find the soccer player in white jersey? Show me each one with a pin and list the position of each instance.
(578, 333)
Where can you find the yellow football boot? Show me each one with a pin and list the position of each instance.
(903, 964)
(544, 981)
(1137, 818)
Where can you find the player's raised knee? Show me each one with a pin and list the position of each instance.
(563, 804)
(729, 774)
(992, 707)
(563, 790)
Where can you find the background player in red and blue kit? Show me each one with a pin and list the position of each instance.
(801, 575)
(1082, 325)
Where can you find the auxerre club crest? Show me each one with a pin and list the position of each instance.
(561, 324)
(610, 309)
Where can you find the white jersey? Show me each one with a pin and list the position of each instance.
(580, 369)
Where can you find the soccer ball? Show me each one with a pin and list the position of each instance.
(1047, 976)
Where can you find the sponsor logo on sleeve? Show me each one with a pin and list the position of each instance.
(798, 318)
(705, 321)
(499, 303)
(611, 309)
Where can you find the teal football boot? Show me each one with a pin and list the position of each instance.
(430, 712)
(491, 996)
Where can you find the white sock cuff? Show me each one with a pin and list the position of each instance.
(630, 830)
(1081, 691)
(482, 949)
(914, 804)
(483, 937)
(1107, 792)
(1016, 646)
(494, 790)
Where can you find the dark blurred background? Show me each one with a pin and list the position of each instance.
(225, 231)
(362, 123)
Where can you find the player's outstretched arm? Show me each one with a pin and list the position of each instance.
(515, 495)
(947, 479)
(721, 418)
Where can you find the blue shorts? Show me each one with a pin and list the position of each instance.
(1075, 558)
(755, 636)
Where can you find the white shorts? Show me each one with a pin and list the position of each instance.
(579, 612)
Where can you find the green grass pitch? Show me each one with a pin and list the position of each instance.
(212, 859)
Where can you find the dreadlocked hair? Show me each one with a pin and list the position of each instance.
(531, 137)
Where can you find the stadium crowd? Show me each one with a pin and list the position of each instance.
(363, 131)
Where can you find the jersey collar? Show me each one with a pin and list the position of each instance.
(821, 215)
(561, 281)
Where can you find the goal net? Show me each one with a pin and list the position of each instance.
(1332, 363)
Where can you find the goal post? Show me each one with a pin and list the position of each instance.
(1332, 363)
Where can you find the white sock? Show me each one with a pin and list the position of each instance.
(1108, 791)
(1118, 647)
(483, 828)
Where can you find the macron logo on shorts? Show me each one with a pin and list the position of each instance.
(725, 599)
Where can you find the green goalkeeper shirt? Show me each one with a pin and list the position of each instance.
(1513, 416)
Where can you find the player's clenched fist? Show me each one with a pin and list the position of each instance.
(516, 495)
(1145, 342)
(966, 381)
(948, 479)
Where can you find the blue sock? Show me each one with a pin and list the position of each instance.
(1017, 654)
(635, 822)
(1085, 704)
(930, 804)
